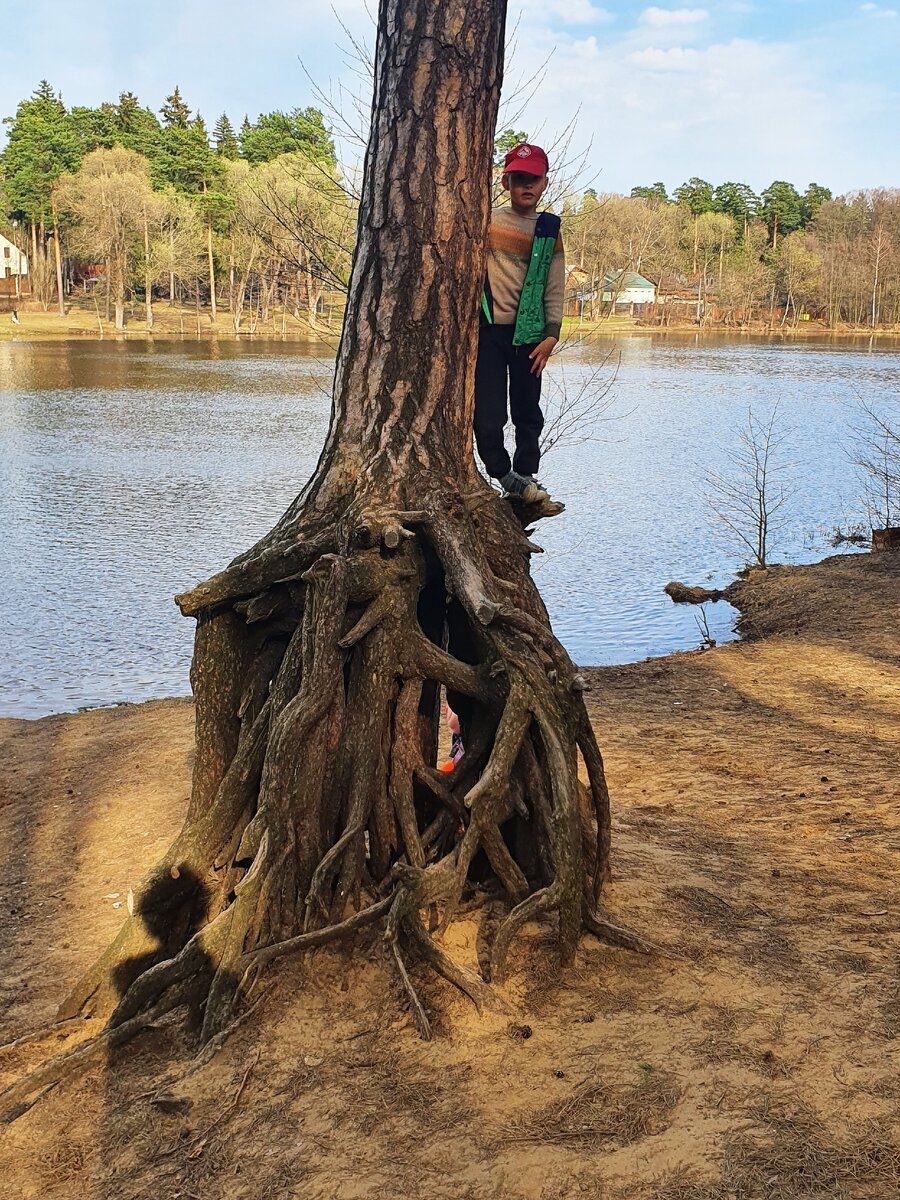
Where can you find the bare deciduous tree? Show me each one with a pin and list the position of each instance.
(572, 414)
(876, 454)
(107, 198)
(748, 500)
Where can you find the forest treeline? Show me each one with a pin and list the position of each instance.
(780, 253)
(131, 204)
(120, 199)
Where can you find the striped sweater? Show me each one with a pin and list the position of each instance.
(510, 238)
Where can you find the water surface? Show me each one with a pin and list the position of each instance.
(131, 470)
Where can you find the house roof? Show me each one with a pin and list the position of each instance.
(627, 279)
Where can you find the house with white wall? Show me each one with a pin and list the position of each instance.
(13, 268)
(627, 287)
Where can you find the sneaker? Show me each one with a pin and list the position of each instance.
(537, 483)
(522, 487)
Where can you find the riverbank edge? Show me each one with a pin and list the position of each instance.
(755, 597)
(181, 326)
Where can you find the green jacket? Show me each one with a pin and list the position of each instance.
(530, 320)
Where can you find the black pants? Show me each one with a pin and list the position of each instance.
(502, 369)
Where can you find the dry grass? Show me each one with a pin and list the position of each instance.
(381, 1087)
(62, 1162)
(887, 1019)
(599, 1112)
(792, 1155)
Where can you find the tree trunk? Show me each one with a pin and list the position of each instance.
(34, 269)
(212, 272)
(43, 281)
(171, 266)
(231, 278)
(312, 299)
(878, 247)
(264, 293)
(316, 806)
(148, 282)
(59, 276)
(241, 293)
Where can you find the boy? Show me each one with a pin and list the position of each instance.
(521, 315)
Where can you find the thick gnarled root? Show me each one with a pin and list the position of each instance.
(317, 807)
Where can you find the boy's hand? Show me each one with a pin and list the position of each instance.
(540, 354)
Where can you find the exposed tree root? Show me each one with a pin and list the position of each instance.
(317, 808)
(330, 814)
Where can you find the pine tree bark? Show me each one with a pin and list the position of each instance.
(320, 654)
(44, 273)
(34, 268)
(171, 266)
(61, 300)
(148, 281)
(212, 273)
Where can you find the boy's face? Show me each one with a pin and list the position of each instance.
(524, 190)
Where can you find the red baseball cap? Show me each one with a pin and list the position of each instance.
(530, 160)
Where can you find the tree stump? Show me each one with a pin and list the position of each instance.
(886, 539)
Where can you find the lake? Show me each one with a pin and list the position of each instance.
(132, 470)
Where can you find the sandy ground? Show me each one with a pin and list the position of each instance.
(755, 789)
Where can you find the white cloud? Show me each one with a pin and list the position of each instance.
(676, 58)
(661, 18)
(656, 99)
(570, 12)
(657, 111)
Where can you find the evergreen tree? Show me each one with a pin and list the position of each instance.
(740, 203)
(655, 192)
(696, 195)
(127, 108)
(225, 139)
(506, 141)
(95, 127)
(813, 199)
(185, 159)
(781, 209)
(175, 113)
(41, 145)
(286, 133)
(138, 128)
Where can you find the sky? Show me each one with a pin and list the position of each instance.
(803, 90)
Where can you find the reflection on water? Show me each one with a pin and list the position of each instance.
(131, 470)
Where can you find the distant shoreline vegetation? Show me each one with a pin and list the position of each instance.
(118, 207)
(733, 257)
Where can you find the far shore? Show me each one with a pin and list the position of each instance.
(185, 323)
